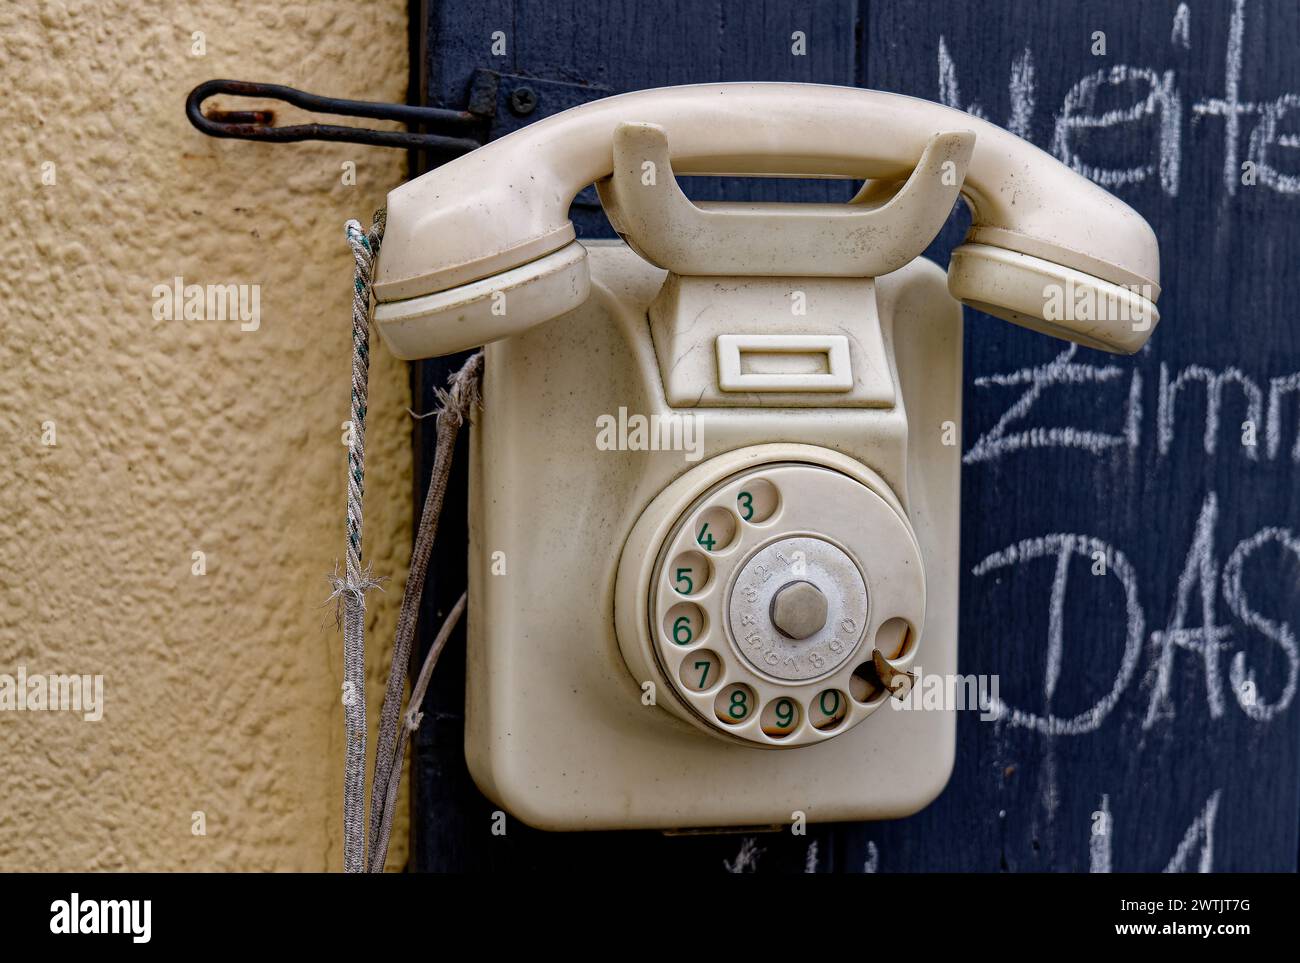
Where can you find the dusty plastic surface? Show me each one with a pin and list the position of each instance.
(1001, 282)
(738, 342)
(648, 209)
(480, 216)
(734, 374)
(557, 732)
(486, 310)
(699, 576)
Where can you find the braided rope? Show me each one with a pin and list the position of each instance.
(356, 581)
(455, 405)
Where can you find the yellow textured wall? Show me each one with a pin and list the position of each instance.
(222, 691)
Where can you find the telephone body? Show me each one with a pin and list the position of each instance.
(698, 621)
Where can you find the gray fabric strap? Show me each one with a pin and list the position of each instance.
(379, 852)
(455, 405)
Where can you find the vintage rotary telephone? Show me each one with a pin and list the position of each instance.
(773, 543)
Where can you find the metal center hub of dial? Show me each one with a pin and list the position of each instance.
(798, 608)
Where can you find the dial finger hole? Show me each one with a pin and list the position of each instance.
(864, 686)
(734, 704)
(828, 710)
(701, 671)
(780, 717)
(715, 529)
(684, 624)
(895, 638)
(757, 501)
(689, 573)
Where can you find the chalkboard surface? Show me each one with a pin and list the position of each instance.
(1131, 531)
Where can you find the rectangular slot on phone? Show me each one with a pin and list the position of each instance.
(784, 362)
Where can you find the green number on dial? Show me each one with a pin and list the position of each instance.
(747, 504)
(684, 575)
(682, 634)
(835, 702)
(704, 538)
(739, 707)
(784, 713)
(704, 675)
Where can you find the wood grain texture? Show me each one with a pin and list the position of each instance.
(1131, 748)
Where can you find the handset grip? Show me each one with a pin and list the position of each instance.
(1035, 222)
(648, 209)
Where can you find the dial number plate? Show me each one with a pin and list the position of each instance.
(773, 568)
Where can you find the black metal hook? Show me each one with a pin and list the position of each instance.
(258, 124)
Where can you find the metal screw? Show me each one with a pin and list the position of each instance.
(523, 101)
(798, 610)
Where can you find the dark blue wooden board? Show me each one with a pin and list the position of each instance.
(1130, 748)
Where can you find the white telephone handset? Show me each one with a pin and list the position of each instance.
(723, 481)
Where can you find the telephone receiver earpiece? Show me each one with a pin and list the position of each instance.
(482, 248)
